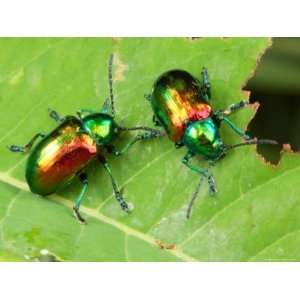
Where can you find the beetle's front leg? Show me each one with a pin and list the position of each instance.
(150, 134)
(202, 171)
(186, 161)
(116, 190)
(234, 107)
(221, 115)
(28, 146)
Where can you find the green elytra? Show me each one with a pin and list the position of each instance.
(181, 105)
(66, 151)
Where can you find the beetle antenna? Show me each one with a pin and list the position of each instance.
(252, 142)
(194, 197)
(110, 82)
(212, 188)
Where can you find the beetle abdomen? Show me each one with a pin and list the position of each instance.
(58, 157)
(176, 99)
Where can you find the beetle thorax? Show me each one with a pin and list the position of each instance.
(101, 127)
(202, 137)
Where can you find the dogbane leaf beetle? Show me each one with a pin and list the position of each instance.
(181, 105)
(66, 151)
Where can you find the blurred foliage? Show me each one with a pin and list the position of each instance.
(276, 86)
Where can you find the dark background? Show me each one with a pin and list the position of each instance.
(276, 85)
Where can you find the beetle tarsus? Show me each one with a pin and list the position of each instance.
(147, 97)
(54, 115)
(149, 134)
(212, 184)
(247, 137)
(78, 216)
(122, 202)
(124, 206)
(15, 148)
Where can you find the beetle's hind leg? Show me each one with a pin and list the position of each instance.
(83, 178)
(117, 192)
(205, 85)
(28, 146)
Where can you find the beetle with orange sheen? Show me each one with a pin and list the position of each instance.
(65, 152)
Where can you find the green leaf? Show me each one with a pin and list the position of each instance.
(254, 215)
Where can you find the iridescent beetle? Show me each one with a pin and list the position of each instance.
(181, 106)
(70, 147)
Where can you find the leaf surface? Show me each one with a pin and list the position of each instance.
(253, 216)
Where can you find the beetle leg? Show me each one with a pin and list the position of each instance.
(84, 180)
(112, 149)
(205, 86)
(234, 107)
(117, 192)
(156, 121)
(84, 111)
(28, 146)
(205, 173)
(138, 128)
(147, 97)
(240, 132)
(210, 177)
(54, 115)
(179, 145)
(152, 133)
(198, 170)
(222, 116)
(201, 171)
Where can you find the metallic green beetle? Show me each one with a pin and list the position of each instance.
(180, 103)
(68, 149)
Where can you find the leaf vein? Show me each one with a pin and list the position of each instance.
(5, 178)
(282, 237)
(232, 203)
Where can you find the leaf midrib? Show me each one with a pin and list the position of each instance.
(21, 185)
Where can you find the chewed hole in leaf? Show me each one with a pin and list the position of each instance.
(276, 86)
